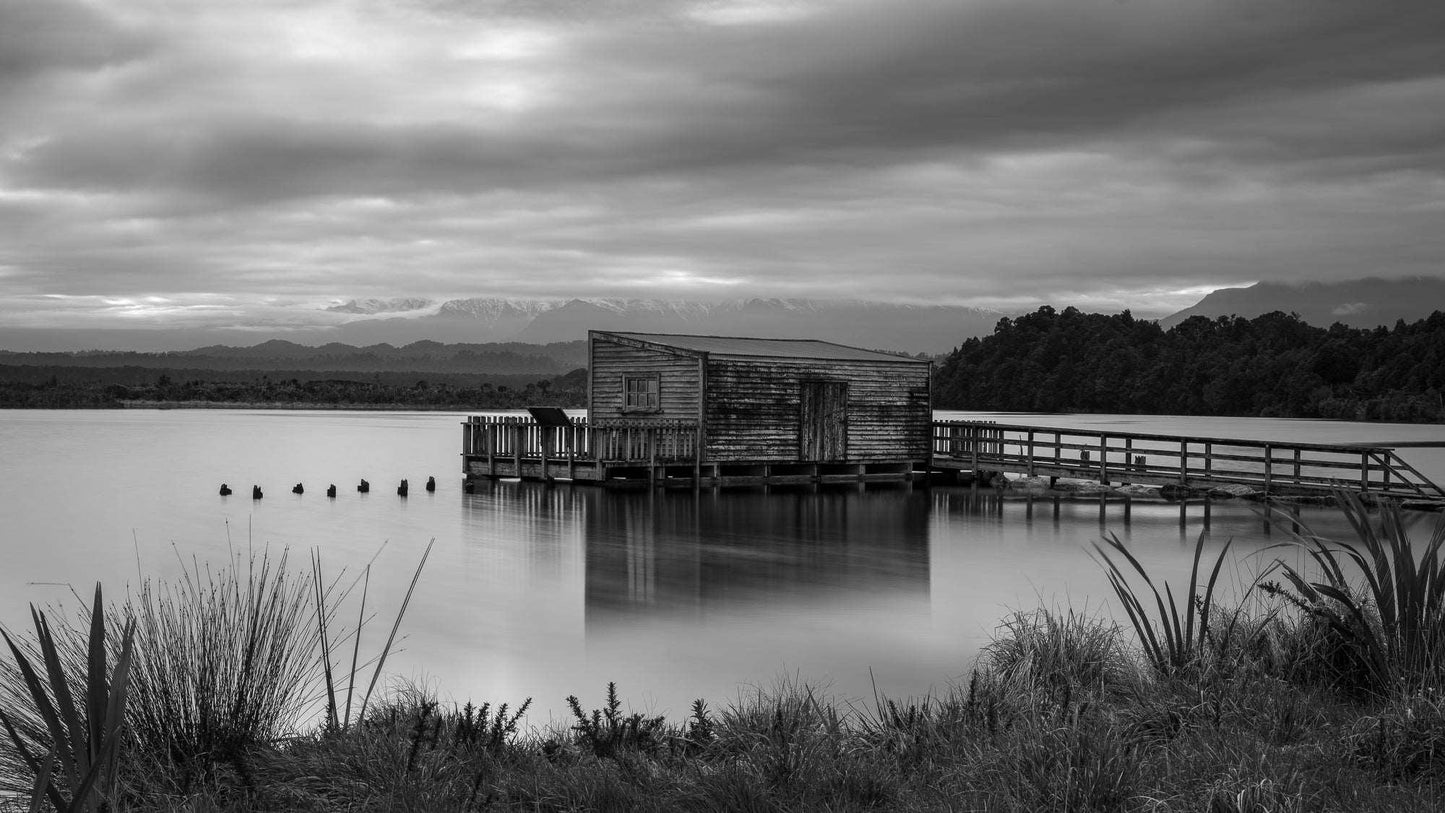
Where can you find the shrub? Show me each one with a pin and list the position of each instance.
(607, 730)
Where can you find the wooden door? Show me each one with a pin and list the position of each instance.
(824, 421)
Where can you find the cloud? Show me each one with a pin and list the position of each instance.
(40, 36)
(981, 152)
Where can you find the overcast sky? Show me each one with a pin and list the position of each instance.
(249, 162)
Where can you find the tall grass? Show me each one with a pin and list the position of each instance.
(1061, 651)
(69, 745)
(327, 603)
(1381, 595)
(225, 661)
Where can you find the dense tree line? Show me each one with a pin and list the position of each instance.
(1272, 366)
(24, 391)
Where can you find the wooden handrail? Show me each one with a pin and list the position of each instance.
(1161, 458)
(1354, 448)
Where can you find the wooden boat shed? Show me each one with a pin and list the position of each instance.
(724, 410)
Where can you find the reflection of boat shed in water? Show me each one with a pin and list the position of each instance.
(716, 409)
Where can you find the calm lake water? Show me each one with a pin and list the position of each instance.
(545, 591)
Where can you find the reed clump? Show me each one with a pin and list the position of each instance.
(225, 664)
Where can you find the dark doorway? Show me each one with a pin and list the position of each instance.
(824, 414)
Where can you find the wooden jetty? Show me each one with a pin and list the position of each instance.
(677, 410)
(666, 453)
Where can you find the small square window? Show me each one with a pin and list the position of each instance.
(641, 393)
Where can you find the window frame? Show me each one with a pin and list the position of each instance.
(652, 395)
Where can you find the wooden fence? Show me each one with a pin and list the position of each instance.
(521, 437)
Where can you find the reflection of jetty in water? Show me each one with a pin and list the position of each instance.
(1112, 510)
(1149, 520)
(652, 553)
(658, 553)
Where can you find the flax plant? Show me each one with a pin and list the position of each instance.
(1173, 637)
(1394, 617)
(70, 744)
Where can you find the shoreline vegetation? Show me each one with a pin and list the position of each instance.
(243, 688)
(84, 388)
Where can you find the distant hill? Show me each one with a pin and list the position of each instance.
(1362, 303)
(417, 375)
(505, 359)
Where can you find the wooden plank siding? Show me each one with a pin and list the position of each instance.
(754, 406)
(680, 386)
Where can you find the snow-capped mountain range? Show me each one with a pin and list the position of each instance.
(908, 328)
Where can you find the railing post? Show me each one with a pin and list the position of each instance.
(1268, 468)
(1364, 471)
(1183, 461)
(571, 451)
(1103, 459)
(517, 440)
(1031, 453)
(491, 438)
(973, 446)
(697, 456)
(651, 438)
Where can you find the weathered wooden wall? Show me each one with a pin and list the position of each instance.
(680, 386)
(754, 404)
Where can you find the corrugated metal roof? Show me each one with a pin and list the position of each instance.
(767, 348)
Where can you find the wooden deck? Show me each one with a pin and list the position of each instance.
(640, 453)
(666, 453)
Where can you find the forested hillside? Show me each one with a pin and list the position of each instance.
(1271, 366)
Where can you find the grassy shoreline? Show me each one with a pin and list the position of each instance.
(1306, 695)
